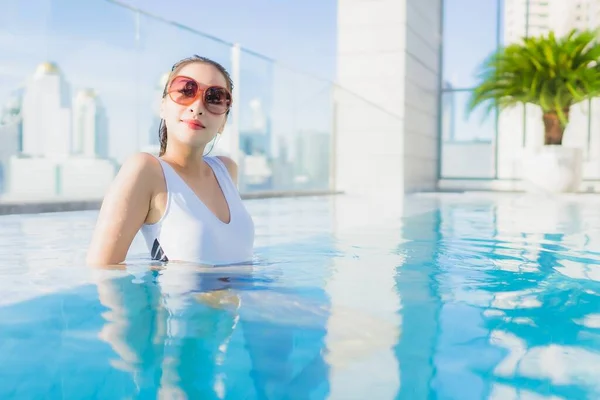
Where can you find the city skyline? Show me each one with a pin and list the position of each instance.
(50, 125)
(126, 66)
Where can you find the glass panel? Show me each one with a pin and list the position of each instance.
(467, 140)
(74, 81)
(302, 118)
(258, 158)
(77, 99)
(470, 35)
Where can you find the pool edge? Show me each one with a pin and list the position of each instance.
(59, 205)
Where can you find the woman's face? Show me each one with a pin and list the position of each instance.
(193, 124)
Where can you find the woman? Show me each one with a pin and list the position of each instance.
(186, 204)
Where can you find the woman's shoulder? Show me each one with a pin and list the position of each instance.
(231, 166)
(143, 168)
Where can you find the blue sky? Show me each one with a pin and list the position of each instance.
(94, 43)
(470, 35)
(298, 32)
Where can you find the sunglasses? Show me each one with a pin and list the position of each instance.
(184, 90)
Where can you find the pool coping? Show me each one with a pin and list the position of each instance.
(11, 207)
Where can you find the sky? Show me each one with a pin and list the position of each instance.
(297, 32)
(470, 35)
(95, 44)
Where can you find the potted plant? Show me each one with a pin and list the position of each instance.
(553, 74)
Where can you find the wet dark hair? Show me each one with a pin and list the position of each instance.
(162, 128)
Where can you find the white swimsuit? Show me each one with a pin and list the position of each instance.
(189, 231)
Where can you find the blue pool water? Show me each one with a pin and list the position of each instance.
(465, 296)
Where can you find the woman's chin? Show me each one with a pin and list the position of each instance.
(195, 138)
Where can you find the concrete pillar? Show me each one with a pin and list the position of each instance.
(386, 127)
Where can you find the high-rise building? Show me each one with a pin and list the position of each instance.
(537, 17)
(90, 126)
(11, 126)
(47, 114)
(525, 18)
(313, 150)
(65, 148)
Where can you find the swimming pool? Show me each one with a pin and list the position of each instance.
(466, 296)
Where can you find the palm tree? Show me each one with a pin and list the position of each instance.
(549, 72)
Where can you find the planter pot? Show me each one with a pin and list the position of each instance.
(553, 169)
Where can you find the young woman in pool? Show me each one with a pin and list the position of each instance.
(185, 203)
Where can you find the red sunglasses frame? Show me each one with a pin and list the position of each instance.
(199, 93)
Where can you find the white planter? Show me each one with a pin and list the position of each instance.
(553, 169)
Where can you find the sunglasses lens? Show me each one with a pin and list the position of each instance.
(217, 100)
(183, 90)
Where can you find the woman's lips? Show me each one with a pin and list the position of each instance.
(193, 124)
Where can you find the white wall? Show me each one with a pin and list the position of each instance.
(387, 111)
(468, 160)
(422, 82)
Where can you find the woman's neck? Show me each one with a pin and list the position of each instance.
(187, 159)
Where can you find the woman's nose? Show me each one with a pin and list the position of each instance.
(197, 107)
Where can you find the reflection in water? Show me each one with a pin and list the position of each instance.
(417, 285)
(495, 307)
(467, 298)
(176, 331)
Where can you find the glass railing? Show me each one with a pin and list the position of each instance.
(491, 146)
(80, 87)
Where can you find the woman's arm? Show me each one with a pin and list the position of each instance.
(123, 211)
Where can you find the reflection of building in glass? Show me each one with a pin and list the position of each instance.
(283, 169)
(65, 142)
(313, 151)
(255, 169)
(448, 112)
(90, 125)
(255, 145)
(11, 133)
(256, 173)
(47, 113)
(257, 138)
(255, 142)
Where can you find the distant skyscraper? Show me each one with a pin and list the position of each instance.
(313, 151)
(537, 17)
(10, 134)
(47, 114)
(90, 125)
(259, 120)
(53, 130)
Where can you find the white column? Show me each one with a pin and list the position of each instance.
(386, 138)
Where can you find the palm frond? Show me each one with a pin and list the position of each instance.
(550, 72)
